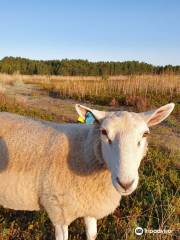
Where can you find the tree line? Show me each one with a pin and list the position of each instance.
(80, 67)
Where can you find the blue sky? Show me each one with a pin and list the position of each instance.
(106, 30)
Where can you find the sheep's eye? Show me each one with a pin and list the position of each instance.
(109, 140)
(104, 132)
(146, 134)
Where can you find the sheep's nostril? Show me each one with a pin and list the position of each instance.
(125, 186)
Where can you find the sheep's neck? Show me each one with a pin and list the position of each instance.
(92, 152)
(86, 158)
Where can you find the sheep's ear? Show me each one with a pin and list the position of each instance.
(154, 117)
(82, 110)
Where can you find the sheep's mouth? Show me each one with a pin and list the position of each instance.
(124, 192)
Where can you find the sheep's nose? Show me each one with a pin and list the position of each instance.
(125, 186)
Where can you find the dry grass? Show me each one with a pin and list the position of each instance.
(132, 85)
(141, 91)
(114, 88)
(98, 86)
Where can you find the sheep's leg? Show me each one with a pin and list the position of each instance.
(91, 228)
(61, 232)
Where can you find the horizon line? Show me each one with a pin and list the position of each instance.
(89, 60)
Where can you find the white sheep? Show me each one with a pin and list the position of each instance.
(73, 170)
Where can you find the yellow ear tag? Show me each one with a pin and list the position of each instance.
(81, 119)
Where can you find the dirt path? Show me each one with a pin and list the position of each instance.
(32, 95)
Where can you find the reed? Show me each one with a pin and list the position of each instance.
(105, 89)
(146, 86)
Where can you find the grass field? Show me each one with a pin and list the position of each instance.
(140, 91)
(156, 203)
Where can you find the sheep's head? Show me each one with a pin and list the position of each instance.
(124, 141)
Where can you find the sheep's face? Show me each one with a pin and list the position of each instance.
(124, 142)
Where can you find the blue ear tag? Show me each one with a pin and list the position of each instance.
(89, 119)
